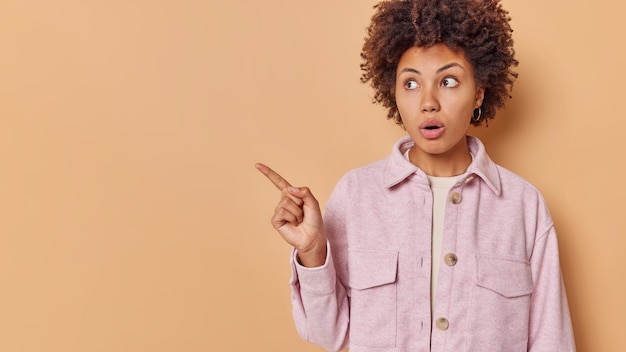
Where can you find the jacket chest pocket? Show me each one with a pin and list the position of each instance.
(509, 278)
(500, 307)
(372, 277)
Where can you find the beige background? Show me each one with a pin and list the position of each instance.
(132, 218)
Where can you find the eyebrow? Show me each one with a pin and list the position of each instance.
(441, 69)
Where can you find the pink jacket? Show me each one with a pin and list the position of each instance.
(500, 287)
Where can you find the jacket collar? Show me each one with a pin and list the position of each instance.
(398, 168)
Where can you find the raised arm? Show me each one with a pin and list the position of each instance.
(320, 301)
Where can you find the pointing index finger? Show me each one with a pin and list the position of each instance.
(274, 177)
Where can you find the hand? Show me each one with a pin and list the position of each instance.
(298, 219)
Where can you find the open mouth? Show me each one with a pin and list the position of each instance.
(431, 124)
(432, 129)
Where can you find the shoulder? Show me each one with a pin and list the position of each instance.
(522, 195)
(501, 180)
(514, 183)
(382, 173)
(358, 181)
(354, 187)
(370, 173)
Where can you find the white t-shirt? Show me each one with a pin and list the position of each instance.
(440, 186)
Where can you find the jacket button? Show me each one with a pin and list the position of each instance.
(442, 324)
(450, 259)
(455, 197)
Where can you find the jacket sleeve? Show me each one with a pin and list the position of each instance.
(321, 296)
(320, 304)
(550, 328)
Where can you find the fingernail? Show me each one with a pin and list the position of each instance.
(294, 189)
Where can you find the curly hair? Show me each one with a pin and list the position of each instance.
(479, 27)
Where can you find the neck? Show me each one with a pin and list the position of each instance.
(451, 163)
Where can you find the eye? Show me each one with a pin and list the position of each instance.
(410, 84)
(449, 82)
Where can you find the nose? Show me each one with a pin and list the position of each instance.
(430, 102)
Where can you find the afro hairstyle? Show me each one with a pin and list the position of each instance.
(481, 28)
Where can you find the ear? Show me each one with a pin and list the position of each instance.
(480, 96)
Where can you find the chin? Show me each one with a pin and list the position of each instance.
(431, 146)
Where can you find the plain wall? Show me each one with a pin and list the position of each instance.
(132, 217)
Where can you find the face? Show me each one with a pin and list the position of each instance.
(436, 95)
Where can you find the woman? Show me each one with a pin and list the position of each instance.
(434, 248)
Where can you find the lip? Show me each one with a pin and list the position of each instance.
(432, 129)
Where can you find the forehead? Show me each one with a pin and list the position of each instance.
(430, 59)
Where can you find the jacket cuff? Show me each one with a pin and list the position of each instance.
(318, 280)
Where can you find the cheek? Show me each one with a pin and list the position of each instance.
(461, 104)
(406, 100)
(404, 107)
